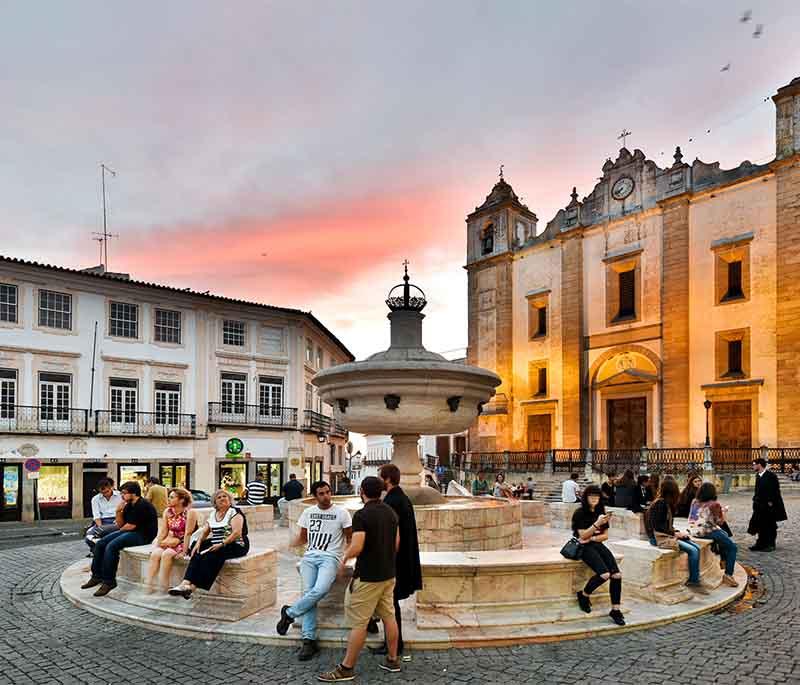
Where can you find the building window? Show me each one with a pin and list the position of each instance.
(309, 352)
(734, 291)
(627, 295)
(537, 378)
(168, 403)
(270, 396)
(233, 333)
(538, 301)
(319, 358)
(487, 240)
(55, 310)
(123, 320)
(54, 397)
(233, 393)
(733, 354)
(8, 303)
(542, 381)
(309, 396)
(8, 395)
(168, 326)
(735, 357)
(123, 400)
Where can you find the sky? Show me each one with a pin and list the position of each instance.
(295, 153)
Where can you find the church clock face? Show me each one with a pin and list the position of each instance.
(622, 188)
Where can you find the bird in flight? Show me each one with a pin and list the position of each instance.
(746, 16)
(727, 67)
(759, 30)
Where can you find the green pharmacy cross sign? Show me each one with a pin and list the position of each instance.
(234, 447)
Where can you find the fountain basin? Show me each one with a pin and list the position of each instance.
(460, 524)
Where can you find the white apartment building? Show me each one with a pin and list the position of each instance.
(104, 375)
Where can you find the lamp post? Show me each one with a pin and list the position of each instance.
(707, 405)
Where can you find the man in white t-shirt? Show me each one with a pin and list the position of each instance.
(325, 528)
(570, 490)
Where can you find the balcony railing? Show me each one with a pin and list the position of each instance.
(17, 418)
(260, 416)
(314, 421)
(338, 430)
(121, 422)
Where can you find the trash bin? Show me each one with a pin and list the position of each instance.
(726, 484)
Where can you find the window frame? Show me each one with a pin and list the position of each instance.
(13, 287)
(228, 335)
(46, 292)
(166, 327)
(123, 322)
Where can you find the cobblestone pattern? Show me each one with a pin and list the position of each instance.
(45, 639)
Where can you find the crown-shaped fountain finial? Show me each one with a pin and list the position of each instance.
(412, 298)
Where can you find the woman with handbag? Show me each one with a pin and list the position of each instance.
(658, 522)
(590, 527)
(177, 525)
(707, 520)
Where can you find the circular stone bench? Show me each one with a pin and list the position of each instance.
(244, 586)
(259, 516)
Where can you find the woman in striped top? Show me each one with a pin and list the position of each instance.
(223, 537)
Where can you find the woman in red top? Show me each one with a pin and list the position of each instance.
(177, 525)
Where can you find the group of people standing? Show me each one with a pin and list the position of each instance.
(382, 538)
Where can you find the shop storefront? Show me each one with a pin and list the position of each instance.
(11, 482)
(232, 476)
(136, 472)
(54, 491)
(174, 475)
(312, 470)
(273, 476)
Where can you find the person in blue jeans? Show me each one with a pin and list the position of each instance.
(138, 525)
(324, 528)
(707, 520)
(662, 534)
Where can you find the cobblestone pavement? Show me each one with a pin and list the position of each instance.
(45, 639)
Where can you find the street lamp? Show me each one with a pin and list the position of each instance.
(707, 405)
(322, 437)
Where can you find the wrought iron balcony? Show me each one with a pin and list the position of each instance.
(338, 430)
(314, 421)
(17, 418)
(145, 423)
(260, 416)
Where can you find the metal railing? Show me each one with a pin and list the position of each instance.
(18, 418)
(734, 459)
(513, 462)
(567, 461)
(121, 422)
(673, 460)
(266, 416)
(314, 421)
(607, 461)
(338, 430)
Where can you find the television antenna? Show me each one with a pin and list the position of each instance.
(104, 237)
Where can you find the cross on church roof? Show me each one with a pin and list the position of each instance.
(624, 137)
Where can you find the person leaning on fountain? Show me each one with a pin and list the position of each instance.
(227, 527)
(138, 525)
(590, 525)
(408, 577)
(323, 528)
(480, 486)
(375, 542)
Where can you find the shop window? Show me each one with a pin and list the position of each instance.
(138, 473)
(174, 475)
(55, 491)
(233, 477)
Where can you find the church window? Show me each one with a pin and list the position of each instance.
(538, 301)
(542, 381)
(735, 291)
(734, 357)
(627, 294)
(487, 240)
(733, 354)
(732, 269)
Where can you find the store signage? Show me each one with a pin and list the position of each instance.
(234, 446)
(32, 465)
(33, 475)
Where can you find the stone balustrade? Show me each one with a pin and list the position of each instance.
(244, 586)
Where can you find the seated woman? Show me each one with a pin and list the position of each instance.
(590, 526)
(176, 527)
(662, 534)
(707, 520)
(625, 491)
(227, 529)
(688, 494)
(500, 487)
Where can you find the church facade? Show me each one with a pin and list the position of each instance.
(660, 291)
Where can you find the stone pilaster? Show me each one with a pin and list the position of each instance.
(572, 397)
(675, 323)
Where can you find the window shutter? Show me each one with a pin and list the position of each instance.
(734, 279)
(734, 356)
(543, 381)
(627, 293)
(542, 330)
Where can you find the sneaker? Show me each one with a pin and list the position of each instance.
(92, 582)
(308, 650)
(285, 622)
(392, 666)
(337, 675)
(104, 589)
(730, 581)
(584, 602)
(617, 617)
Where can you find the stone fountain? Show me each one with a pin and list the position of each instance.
(407, 391)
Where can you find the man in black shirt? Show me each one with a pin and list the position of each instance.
(292, 488)
(375, 542)
(138, 525)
